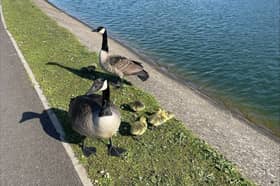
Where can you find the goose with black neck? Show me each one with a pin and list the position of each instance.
(94, 115)
(116, 64)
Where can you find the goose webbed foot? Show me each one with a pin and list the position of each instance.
(89, 69)
(87, 151)
(115, 151)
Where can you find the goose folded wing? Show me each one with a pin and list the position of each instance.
(127, 66)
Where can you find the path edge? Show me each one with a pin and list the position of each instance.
(81, 171)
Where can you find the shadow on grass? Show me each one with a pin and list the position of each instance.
(91, 75)
(124, 129)
(70, 135)
(126, 107)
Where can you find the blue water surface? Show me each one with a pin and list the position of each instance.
(228, 48)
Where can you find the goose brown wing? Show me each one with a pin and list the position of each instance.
(126, 66)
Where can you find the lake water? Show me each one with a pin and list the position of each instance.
(227, 48)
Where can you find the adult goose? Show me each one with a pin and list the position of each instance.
(93, 115)
(118, 65)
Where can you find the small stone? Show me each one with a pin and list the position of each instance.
(107, 175)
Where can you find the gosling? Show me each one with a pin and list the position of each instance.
(139, 127)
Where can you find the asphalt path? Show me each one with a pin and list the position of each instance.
(30, 150)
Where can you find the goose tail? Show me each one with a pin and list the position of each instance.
(143, 75)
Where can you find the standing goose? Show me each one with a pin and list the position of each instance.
(118, 65)
(94, 115)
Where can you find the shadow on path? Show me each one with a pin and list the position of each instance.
(70, 135)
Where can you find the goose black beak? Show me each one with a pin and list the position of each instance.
(93, 89)
(96, 86)
(90, 92)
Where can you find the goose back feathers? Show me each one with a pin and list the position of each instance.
(119, 65)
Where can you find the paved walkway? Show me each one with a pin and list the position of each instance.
(30, 152)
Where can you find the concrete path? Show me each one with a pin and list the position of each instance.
(30, 152)
(256, 152)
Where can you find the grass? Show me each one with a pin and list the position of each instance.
(169, 155)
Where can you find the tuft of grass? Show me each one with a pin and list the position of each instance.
(169, 155)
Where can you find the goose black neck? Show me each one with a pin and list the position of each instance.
(106, 95)
(105, 42)
(105, 108)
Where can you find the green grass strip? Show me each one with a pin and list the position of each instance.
(169, 155)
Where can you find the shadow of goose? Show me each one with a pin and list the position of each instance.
(91, 75)
(48, 127)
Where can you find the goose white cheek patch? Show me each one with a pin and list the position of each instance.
(102, 31)
(105, 85)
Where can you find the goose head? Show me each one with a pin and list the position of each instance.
(100, 30)
(99, 84)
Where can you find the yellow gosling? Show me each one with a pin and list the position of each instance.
(160, 117)
(139, 127)
(137, 106)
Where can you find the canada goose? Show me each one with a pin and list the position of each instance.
(139, 127)
(94, 115)
(137, 106)
(160, 117)
(118, 65)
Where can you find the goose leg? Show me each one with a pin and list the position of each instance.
(87, 151)
(121, 82)
(114, 151)
(83, 145)
(137, 138)
(152, 127)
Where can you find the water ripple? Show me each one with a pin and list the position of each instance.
(230, 49)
